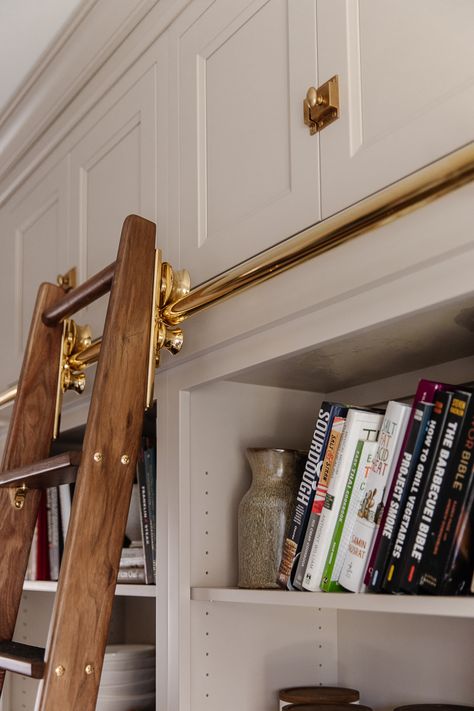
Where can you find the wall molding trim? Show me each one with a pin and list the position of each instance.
(92, 35)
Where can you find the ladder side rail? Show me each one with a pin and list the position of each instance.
(29, 440)
(86, 588)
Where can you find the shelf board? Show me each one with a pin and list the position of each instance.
(122, 589)
(404, 604)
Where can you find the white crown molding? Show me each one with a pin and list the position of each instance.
(89, 39)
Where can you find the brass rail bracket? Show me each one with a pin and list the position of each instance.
(75, 340)
(68, 280)
(169, 285)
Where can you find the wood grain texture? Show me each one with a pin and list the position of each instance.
(89, 569)
(29, 440)
(81, 296)
(53, 471)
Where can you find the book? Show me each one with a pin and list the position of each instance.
(439, 566)
(428, 449)
(402, 479)
(368, 517)
(132, 557)
(52, 515)
(360, 424)
(42, 556)
(425, 392)
(432, 491)
(145, 516)
(150, 478)
(319, 497)
(304, 499)
(132, 575)
(353, 495)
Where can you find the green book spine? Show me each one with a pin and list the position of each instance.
(327, 584)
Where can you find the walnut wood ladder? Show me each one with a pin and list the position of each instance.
(71, 664)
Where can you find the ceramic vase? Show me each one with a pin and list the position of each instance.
(265, 513)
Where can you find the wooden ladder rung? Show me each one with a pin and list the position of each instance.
(54, 471)
(22, 659)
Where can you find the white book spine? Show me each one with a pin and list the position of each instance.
(65, 507)
(377, 487)
(360, 483)
(359, 425)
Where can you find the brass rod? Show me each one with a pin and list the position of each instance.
(404, 196)
(88, 356)
(8, 396)
(414, 191)
(81, 296)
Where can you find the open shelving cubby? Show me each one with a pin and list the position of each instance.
(264, 389)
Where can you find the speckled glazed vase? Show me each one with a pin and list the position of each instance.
(265, 513)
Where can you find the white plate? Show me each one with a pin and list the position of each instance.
(129, 689)
(130, 664)
(127, 676)
(126, 703)
(114, 651)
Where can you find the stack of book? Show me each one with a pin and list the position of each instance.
(386, 501)
(138, 560)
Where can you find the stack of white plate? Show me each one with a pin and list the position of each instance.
(128, 678)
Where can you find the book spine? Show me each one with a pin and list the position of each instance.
(359, 425)
(445, 522)
(394, 571)
(145, 517)
(353, 496)
(402, 480)
(370, 511)
(42, 564)
(53, 531)
(319, 497)
(432, 491)
(459, 567)
(305, 496)
(150, 475)
(425, 392)
(131, 575)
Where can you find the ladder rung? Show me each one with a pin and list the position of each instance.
(60, 469)
(22, 659)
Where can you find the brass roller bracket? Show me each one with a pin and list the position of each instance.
(169, 285)
(75, 339)
(321, 106)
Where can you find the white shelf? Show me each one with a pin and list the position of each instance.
(125, 590)
(404, 604)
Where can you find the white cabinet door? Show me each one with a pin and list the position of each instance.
(34, 248)
(113, 174)
(407, 90)
(243, 167)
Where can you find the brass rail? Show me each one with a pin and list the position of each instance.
(425, 185)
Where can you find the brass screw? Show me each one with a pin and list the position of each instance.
(60, 670)
(334, 114)
(125, 459)
(98, 457)
(89, 669)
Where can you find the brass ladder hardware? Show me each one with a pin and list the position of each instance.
(321, 106)
(68, 280)
(18, 499)
(75, 340)
(168, 286)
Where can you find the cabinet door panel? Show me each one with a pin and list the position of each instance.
(248, 174)
(112, 175)
(35, 248)
(407, 90)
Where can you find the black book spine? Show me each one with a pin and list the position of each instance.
(145, 516)
(436, 569)
(433, 491)
(305, 496)
(400, 549)
(404, 477)
(459, 568)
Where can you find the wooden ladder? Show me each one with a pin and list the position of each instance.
(70, 665)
